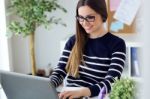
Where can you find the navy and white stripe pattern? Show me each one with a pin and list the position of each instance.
(104, 62)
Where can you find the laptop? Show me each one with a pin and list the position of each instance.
(21, 86)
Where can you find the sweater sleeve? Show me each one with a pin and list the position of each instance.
(115, 69)
(59, 72)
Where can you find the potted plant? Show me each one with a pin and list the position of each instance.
(123, 89)
(31, 14)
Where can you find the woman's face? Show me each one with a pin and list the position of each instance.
(89, 20)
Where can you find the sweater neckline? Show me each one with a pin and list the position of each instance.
(98, 38)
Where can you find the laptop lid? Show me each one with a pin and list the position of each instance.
(21, 86)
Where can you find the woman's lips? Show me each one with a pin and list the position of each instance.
(88, 28)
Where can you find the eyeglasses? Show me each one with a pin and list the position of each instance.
(88, 18)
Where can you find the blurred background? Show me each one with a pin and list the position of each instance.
(133, 26)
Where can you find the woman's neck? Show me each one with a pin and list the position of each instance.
(98, 33)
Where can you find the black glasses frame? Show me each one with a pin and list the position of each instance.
(89, 18)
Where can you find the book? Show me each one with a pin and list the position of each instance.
(135, 70)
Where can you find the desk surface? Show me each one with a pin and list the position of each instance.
(2, 94)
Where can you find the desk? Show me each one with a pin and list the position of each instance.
(2, 94)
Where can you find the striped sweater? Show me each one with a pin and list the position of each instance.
(104, 58)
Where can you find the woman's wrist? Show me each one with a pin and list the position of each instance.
(85, 91)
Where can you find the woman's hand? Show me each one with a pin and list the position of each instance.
(81, 92)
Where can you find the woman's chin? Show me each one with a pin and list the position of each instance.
(88, 31)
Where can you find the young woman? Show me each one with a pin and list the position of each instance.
(93, 58)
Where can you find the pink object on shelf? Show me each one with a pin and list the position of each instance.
(114, 4)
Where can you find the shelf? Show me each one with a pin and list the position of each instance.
(133, 44)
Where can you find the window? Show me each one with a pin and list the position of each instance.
(4, 55)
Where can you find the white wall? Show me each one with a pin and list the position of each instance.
(48, 41)
(146, 50)
(20, 54)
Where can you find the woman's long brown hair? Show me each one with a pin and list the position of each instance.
(76, 55)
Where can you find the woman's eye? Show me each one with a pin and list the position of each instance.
(90, 17)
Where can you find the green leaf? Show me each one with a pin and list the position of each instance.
(32, 14)
(123, 89)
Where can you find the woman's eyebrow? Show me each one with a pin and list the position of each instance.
(87, 15)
